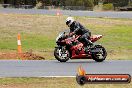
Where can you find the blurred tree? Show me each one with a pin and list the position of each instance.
(39, 4)
(117, 3)
(120, 3)
(87, 3)
(96, 2)
(70, 2)
(1, 1)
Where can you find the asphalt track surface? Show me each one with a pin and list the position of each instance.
(108, 14)
(53, 68)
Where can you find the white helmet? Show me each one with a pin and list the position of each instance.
(69, 21)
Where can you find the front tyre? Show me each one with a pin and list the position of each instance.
(61, 54)
(99, 53)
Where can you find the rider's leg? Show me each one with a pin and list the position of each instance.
(86, 39)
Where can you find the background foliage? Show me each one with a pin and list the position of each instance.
(87, 3)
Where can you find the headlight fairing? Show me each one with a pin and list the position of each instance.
(59, 36)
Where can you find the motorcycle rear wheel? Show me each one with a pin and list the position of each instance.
(61, 55)
(101, 55)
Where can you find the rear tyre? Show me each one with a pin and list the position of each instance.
(100, 55)
(61, 54)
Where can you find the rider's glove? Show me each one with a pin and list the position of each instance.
(72, 33)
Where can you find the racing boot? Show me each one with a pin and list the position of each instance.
(86, 49)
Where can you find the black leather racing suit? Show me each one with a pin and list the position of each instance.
(78, 29)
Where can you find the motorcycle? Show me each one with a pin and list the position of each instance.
(68, 47)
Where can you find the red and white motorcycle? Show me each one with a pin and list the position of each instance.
(70, 48)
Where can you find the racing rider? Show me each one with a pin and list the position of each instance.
(78, 29)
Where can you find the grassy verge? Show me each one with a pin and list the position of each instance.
(38, 33)
(52, 83)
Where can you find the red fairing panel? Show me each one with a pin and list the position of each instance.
(81, 54)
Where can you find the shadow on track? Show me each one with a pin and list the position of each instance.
(82, 61)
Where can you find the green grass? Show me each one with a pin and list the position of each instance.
(41, 42)
(52, 83)
(38, 32)
(29, 41)
(117, 37)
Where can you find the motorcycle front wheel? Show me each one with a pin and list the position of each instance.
(61, 54)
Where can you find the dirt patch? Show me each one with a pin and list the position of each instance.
(22, 56)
